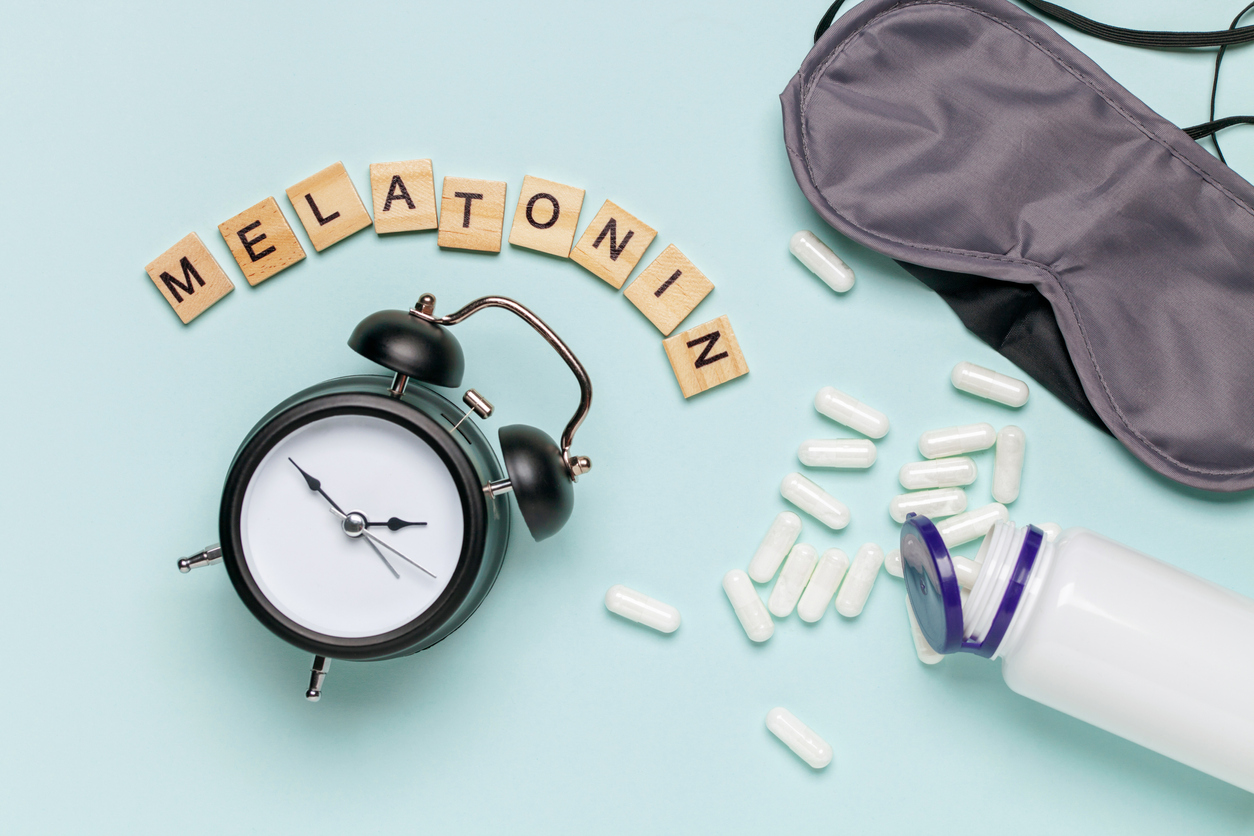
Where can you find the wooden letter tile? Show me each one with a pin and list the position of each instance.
(546, 216)
(668, 289)
(262, 241)
(404, 196)
(705, 356)
(329, 207)
(189, 278)
(613, 244)
(472, 214)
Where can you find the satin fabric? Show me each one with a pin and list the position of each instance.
(969, 139)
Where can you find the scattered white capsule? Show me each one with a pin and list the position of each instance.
(892, 563)
(824, 263)
(927, 655)
(792, 580)
(822, 586)
(774, 546)
(966, 527)
(966, 571)
(954, 441)
(815, 501)
(857, 586)
(837, 452)
(1052, 530)
(1008, 464)
(851, 412)
(799, 737)
(641, 609)
(989, 384)
(748, 606)
(937, 473)
(938, 502)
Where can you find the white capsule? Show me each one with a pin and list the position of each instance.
(822, 586)
(774, 546)
(748, 606)
(857, 586)
(1052, 530)
(892, 563)
(824, 263)
(966, 527)
(989, 384)
(799, 737)
(792, 580)
(837, 452)
(937, 473)
(1008, 464)
(815, 501)
(954, 441)
(851, 412)
(927, 655)
(641, 609)
(936, 503)
(966, 571)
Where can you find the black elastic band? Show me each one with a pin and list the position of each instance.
(1208, 128)
(1115, 34)
(1140, 37)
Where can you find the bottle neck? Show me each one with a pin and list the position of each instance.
(999, 556)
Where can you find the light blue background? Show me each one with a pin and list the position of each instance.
(136, 699)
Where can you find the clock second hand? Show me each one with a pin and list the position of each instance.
(370, 538)
(374, 540)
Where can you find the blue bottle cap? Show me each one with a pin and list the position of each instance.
(931, 584)
(934, 593)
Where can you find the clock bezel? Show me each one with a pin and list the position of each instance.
(474, 520)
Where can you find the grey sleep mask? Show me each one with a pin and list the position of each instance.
(1087, 238)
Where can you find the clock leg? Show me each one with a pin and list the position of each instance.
(207, 556)
(317, 675)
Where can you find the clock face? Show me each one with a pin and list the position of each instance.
(347, 573)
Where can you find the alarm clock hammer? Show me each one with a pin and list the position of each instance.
(388, 440)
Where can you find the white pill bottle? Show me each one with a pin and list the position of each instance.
(1104, 633)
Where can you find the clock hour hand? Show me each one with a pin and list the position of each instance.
(375, 540)
(394, 524)
(386, 562)
(316, 486)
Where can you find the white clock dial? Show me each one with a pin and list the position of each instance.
(300, 551)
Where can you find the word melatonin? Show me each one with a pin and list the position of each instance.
(641, 609)
(799, 737)
(851, 412)
(837, 452)
(775, 545)
(792, 580)
(815, 501)
(857, 586)
(821, 261)
(986, 383)
(823, 584)
(748, 606)
(954, 441)
(1008, 464)
(952, 472)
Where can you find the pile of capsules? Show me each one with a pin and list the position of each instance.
(934, 488)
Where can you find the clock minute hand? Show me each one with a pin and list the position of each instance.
(373, 539)
(316, 486)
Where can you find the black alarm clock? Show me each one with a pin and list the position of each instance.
(367, 517)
